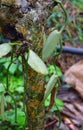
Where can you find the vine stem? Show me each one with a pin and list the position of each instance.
(65, 13)
(7, 86)
(25, 78)
(7, 77)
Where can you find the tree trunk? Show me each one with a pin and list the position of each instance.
(35, 108)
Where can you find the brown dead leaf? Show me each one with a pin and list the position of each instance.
(52, 98)
(74, 77)
(68, 122)
(73, 106)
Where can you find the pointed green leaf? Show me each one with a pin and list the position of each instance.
(36, 63)
(50, 44)
(5, 49)
(50, 85)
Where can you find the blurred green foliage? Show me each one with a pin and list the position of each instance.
(79, 3)
(15, 88)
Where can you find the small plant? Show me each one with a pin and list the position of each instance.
(32, 59)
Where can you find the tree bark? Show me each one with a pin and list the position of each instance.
(35, 108)
(35, 85)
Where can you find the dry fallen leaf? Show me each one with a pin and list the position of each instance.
(74, 77)
(69, 123)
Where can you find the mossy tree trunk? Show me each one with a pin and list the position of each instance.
(34, 89)
(35, 85)
(35, 95)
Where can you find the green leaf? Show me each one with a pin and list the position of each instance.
(8, 99)
(58, 105)
(2, 89)
(59, 102)
(36, 63)
(20, 89)
(6, 64)
(3, 60)
(50, 85)
(47, 101)
(58, 71)
(13, 68)
(5, 49)
(50, 44)
(10, 115)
